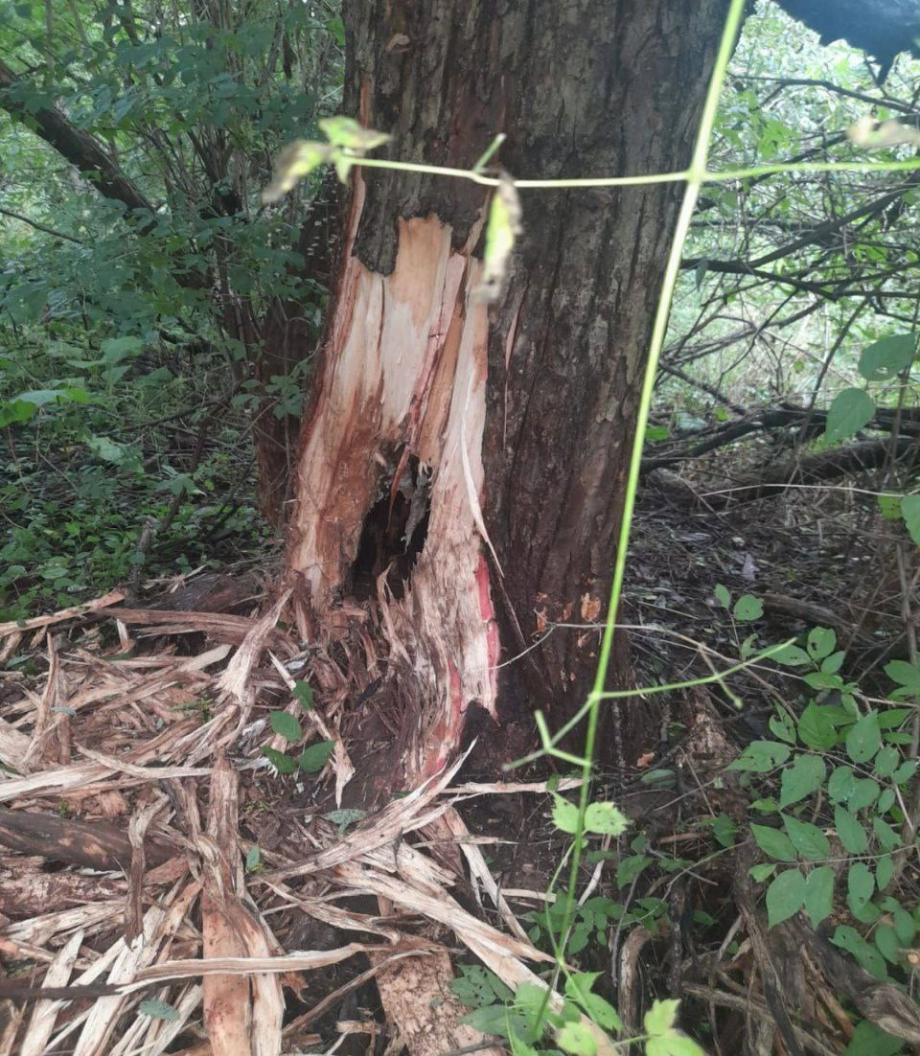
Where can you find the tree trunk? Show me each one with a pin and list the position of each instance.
(462, 466)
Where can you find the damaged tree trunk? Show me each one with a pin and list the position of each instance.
(462, 466)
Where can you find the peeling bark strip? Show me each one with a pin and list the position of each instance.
(529, 410)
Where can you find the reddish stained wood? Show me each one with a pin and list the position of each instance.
(404, 370)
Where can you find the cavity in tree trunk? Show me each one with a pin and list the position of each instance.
(462, 466)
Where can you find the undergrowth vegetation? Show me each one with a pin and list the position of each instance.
(114, 471)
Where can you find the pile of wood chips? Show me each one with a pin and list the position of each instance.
(130, 922)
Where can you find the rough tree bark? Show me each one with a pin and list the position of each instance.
(522, 413)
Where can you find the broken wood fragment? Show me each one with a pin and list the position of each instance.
(94, 844)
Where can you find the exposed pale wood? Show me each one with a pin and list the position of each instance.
(216, 624)
(227, 998)
(417, 999)
(35, 893)
(75, 611)
(45, 1012)
(405, 368)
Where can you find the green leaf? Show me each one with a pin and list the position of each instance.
(888, 839)
(674, 1043)
(830, 665)
(577, 1039)
(303, 694)
(41, 397)
(502, 230)
(892, 718)
(864, 738)
(904, 925)
(115, 349)
(285, 725)
(297, 160)
(910, 511)
(605, 818)
(816, 727)
(578, 988)
(158, 1010)
(565, 814)
(849, 939)
(530, 999)
(785, 896)
(852, 834)
(819, 894)
(808, 839)
(823, 680)
(884, 871)
(761, 871)
(345, 817)
(774, 843)
(791, 656)
(887, 761)
(16, 411)
(748, 647)
(496, 1019)
(109, 450)
(803, 776)
(885, 359)
(760, 757)
(887, 942)
(864, 794)
(477, 986)
(699, 272)
(336, 27)
(661, 1017)
(747, 608)
(724, 830)
(860, 886)
(346, 132)
(284, 764)
(342, 163)
(765, 806)
(631, 867)
(821, 642)
(889, 506)
(904, 772)
(722, 595)
(519, 1047)
(903, 673)
(783, 727)
(842, 783)
(850, 410)
(662, 778)
(253, 860)
(314, 758)
(870, 1040)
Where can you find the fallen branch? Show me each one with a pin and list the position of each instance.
(17, 626)
(811, 423)
(855, 458)
(94, 844)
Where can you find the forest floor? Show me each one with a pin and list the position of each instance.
(123, 813)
